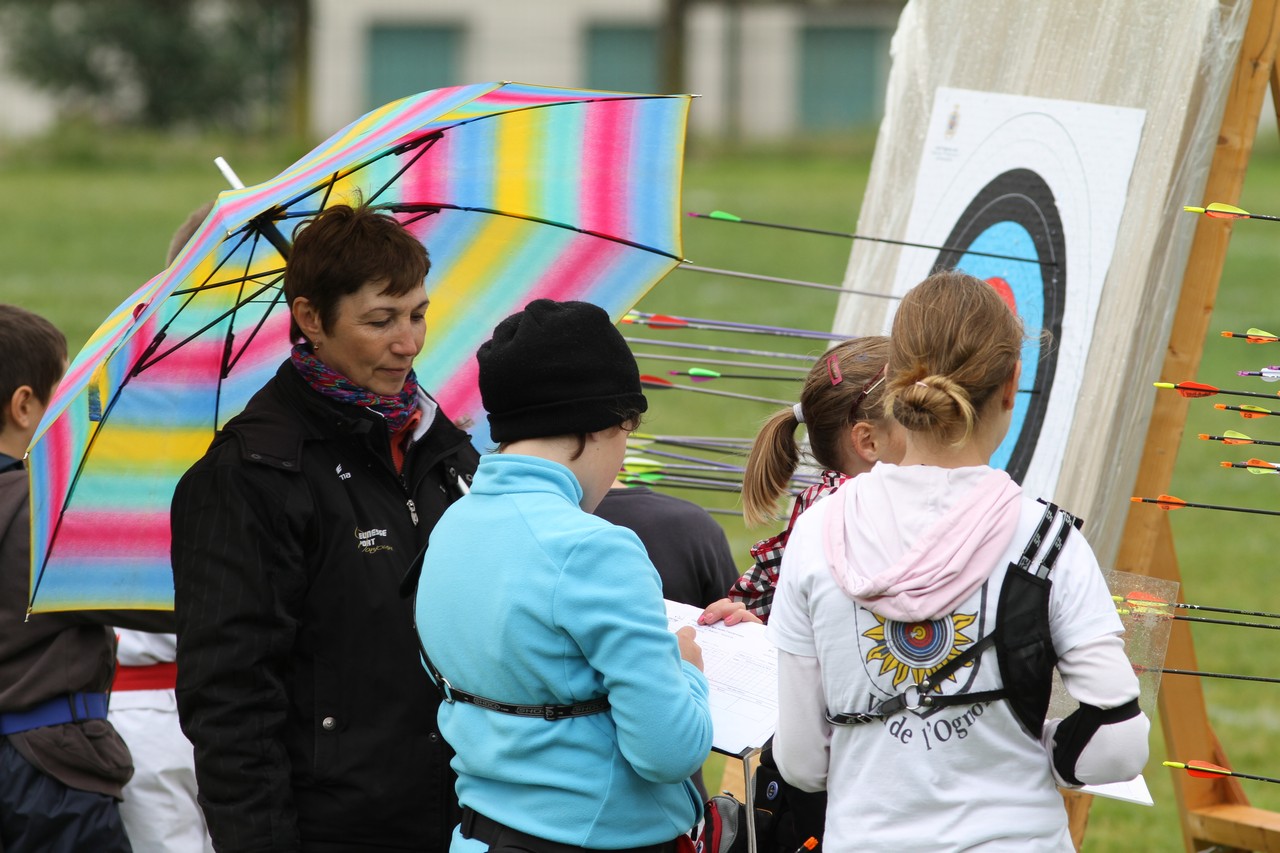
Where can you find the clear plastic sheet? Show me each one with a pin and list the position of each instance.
(1147, 624)
(1173, 60)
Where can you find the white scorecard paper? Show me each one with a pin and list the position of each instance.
(1133, 791)
(741, 666)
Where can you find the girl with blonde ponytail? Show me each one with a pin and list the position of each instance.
(923, 608)
(841, 409)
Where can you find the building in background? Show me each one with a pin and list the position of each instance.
(765, 70)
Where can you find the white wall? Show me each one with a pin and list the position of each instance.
(24, 111)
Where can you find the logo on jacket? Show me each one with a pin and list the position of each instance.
(914, 650)
(342, 475)
(372, 540)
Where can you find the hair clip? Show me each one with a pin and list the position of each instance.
(867, 389)
(833, 369)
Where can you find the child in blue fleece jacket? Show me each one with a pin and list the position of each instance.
(538, 609)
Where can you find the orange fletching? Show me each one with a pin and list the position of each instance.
(666, 321)
(1205, 770)
(1193, 390)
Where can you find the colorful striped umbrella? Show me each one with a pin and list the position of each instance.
(517, 191)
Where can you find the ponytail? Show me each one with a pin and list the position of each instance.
(775, 455)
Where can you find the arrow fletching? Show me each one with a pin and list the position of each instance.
(1165, 502)
(665, 321)
(656, 382)
(1190, 390)
(1201, 769)
(1218, 210)
(1253, 336)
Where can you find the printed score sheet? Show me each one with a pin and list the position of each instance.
(741, 666)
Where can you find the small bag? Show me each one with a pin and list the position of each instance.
(786, 817)
(723, 828)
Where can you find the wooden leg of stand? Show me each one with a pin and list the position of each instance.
(1077, 814)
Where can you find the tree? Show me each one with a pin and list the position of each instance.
(160, 62)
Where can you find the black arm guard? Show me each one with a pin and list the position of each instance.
(1075, 732)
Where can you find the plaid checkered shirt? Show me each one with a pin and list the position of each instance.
(755, 588)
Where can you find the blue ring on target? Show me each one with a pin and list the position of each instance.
(1015, 215)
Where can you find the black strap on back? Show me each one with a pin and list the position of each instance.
(920, 695)
(450, 694)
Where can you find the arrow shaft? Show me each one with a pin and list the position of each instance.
(739, 376)
(1256, 411)
(738, 328)
(703, 441)
(729, 324)
(1141, 602)
(1232, 439)
(792, 282)
(1210, 772)
(1189, 505)
(1230, 676)
(1205, 620)
(799, 371)
(666, 454)
(851, 236)
(731, 350)
(729, 394)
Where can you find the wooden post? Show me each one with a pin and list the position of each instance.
(1213, 812)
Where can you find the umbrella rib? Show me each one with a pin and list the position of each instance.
(423, 147)
(228, 282)
(230, 365)
(435, 207)
(144, 363)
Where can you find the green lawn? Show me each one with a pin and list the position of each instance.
(87, 220)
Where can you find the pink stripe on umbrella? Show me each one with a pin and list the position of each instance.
(588, 259)
(88, 534)
(604, 199)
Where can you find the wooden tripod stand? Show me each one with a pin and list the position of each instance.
(1213, 812)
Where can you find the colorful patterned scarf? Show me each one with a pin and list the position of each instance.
(397, 409)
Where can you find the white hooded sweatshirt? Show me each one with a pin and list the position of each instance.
(882, 583)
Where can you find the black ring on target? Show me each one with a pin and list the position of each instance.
(1016, 215)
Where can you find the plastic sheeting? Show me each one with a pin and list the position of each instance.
(1171, 60)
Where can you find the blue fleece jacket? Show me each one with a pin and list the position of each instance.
(526, 599)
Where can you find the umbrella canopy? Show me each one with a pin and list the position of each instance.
(518, 192)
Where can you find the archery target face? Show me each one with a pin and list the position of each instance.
(1043, 181)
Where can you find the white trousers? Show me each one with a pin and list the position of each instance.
(159, 810)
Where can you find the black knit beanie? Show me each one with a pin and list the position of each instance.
(557, 368)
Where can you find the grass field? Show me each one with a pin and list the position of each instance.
(87, 220)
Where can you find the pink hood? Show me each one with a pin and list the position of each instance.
(912, 543)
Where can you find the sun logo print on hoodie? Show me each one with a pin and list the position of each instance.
(912, 651)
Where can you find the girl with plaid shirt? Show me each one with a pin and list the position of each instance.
(840, 407)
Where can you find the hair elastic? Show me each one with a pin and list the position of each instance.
(921, 385)
(798, 412)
